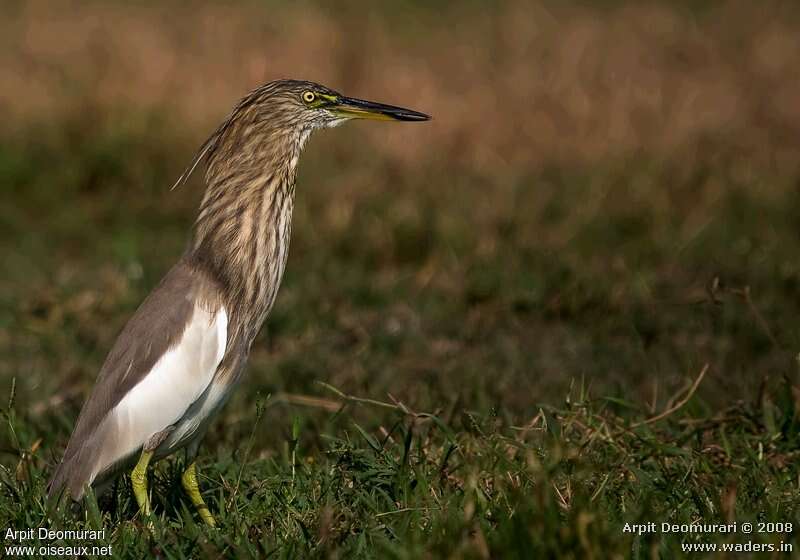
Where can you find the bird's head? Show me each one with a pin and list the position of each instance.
(274, 121)
(307, 105)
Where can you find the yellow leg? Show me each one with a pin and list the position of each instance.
(189, 480)
(139, 481)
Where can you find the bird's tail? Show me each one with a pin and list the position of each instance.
(69, 479)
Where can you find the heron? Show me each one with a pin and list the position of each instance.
(184, 350)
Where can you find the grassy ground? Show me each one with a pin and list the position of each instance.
(482, 347)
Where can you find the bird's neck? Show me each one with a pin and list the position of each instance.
(242, 233)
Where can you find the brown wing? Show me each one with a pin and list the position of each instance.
(156, 326)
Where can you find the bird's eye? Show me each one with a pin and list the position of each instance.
(309, 96)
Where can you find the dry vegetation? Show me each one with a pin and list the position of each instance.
(521, 84)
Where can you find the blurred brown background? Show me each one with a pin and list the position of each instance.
(514, 84)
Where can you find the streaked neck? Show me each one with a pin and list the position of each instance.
(244, 226)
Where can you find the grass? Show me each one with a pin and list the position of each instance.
(461, 484)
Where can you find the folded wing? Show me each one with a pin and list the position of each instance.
(161, 363)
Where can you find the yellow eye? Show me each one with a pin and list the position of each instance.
(309, 96)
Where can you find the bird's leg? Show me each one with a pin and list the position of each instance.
(139, 481)
(189, 480)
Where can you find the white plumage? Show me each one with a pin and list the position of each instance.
(167, 392)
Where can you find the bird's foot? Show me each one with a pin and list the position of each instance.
(189, 480)
(139, 482)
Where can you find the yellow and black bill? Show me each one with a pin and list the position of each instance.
(350, 107)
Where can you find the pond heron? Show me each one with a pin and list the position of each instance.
(178, 358)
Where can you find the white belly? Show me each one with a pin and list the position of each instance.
(193, 424)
